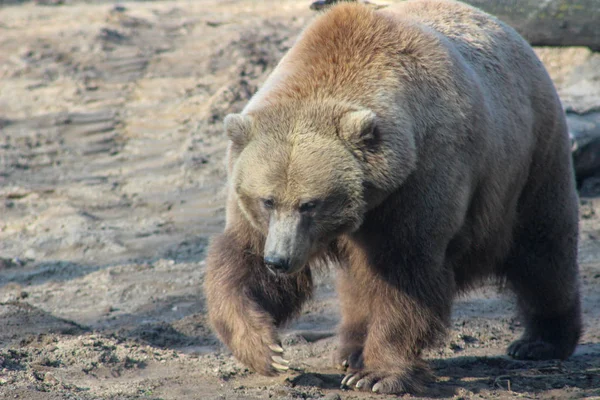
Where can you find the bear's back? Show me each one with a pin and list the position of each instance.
(355, 54)
(351, 53)
(507, 68)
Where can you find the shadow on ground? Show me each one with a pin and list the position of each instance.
(476, 374)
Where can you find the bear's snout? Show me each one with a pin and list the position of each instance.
(277, 263)
(287, 245)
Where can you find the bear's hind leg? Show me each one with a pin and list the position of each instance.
(542, 270)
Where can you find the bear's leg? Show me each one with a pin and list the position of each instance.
(355, 319)
(542, 270)
(246, 302)
(408, 310)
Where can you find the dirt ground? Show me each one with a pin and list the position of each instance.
(111, 184)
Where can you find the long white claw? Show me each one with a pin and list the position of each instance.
(346, 379)
(360, 383)
(376, 387)
(351, 380)
(345, 364)
(280, 367)
(276, 348)
(280, 360)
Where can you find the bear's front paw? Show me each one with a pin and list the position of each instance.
(258, 348)
(265, 359)
(278, 363)
(387, 382)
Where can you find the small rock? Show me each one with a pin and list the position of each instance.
(214, 24)
(586, 208)
(119, 8)
(50, 2)
(456, 347)
(50, 378)
(590, 188)
(469, 339)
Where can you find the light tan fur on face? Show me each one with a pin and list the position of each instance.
(295, 157)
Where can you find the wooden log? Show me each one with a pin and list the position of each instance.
(549, 22)
(541, 22)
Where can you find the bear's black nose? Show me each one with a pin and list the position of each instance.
(277, 263)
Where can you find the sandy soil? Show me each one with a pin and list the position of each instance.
(111, 183)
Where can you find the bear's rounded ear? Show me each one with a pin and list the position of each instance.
(358, 126)
(238, 128)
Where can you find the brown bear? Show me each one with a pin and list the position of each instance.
(422, 149)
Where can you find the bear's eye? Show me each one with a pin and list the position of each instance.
(308, 206)
(268, 203)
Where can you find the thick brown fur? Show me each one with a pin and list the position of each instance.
(423, 147)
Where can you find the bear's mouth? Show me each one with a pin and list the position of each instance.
(291, 270)
(272, 270)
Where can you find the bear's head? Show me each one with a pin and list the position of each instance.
(298, 178)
